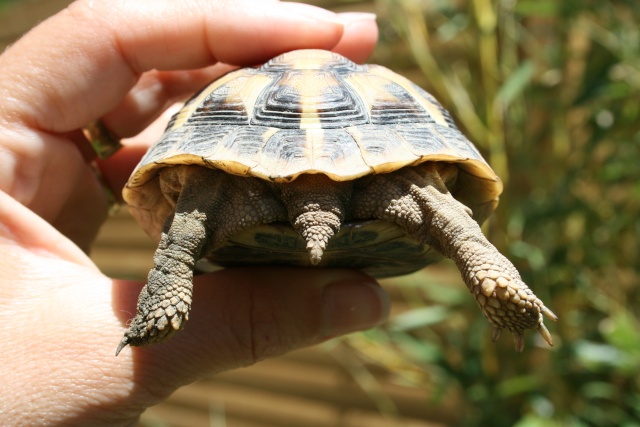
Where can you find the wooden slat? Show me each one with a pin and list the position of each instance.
(122, 249)
(331, 384)
(283, 392)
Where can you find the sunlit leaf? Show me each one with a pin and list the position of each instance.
(515, 84)
(418, 318)
(538, 8)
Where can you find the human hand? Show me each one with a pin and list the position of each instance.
(60, 318)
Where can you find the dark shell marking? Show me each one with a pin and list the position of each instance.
(312, 112)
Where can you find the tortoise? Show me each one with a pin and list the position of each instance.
(313, 160)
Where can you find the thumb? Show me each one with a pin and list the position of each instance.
(241, 316)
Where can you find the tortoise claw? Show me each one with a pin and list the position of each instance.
(123, 343)
(550, 314)
(544, 332)
(518, 341)
(495, 333)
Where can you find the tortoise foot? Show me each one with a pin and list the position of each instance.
(157, 325)
(159, 316)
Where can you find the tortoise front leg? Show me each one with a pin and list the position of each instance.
(211, 206)
(418, 200)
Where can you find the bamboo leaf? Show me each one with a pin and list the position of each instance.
(418, 318)
(515, 85)
(538, 8)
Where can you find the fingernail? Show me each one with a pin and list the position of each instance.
(355, 17)
(315, 12)
(353, 306)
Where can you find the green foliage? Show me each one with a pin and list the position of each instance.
(549, 92)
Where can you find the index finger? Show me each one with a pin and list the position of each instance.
(81, 63)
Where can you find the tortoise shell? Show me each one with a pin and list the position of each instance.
(313, 112)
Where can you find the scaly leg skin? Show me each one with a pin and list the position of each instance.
(418, 200)
(164, 303)
(210, 206)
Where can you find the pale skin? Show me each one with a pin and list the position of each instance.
(60, 317)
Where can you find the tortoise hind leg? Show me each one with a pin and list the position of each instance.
(418, 200)
(164, 303)
(210, 206)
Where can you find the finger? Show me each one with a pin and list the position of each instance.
(239, 317)
(20, 227)
(117, 168)
(157, 89)
(360, 36)
(90, 55)
(242, 316)
(153, 93)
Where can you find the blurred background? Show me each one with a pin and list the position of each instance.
(549, 92)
